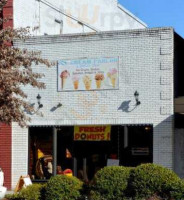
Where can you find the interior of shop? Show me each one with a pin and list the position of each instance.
(125, 146)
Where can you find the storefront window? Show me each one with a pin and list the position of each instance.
(40, 150)
(139, 147)
(83, 150)
(65, 154)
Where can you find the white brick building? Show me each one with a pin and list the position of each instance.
(57, 17)
(145, 132)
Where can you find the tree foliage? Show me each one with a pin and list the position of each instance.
(15, 73)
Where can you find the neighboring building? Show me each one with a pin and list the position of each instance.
(88, 118)
(72, 16)
(53, 17)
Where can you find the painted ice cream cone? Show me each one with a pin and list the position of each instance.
(75, 79)
(88, 86)
(76, 85)
(113, 82)
(98, 84)
(99, 78)
(63, 81)
(112, 74)
(87, 82)
(64, 75)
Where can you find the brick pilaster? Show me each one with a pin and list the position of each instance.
(5, 153)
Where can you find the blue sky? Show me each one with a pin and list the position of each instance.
(157, 13)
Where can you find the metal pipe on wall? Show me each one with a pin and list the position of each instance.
(54, 151)
(125, 136)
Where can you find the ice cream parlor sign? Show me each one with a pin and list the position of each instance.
(88, 74)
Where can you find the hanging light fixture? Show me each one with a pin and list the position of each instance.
(40, 105)
(136, 95)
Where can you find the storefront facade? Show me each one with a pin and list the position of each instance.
(120, 81)
(53, 18)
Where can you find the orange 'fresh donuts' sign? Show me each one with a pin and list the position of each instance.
(92, 133)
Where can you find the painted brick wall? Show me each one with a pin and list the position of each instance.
(5, 153)
(8, 13)
(146, 61)
(19, 153)
(6, 130)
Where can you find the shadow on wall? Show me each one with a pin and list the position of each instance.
(163, 136)
(127, 107)
(179, 151)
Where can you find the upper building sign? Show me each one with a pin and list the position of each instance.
(88, 74)
(50, 17)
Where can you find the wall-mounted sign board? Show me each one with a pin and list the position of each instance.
(88, 74)
(112, 162)
(140, 151)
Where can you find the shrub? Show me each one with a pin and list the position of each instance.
(63, 187)
(110, 183)
(31, 192)
(175, 189)
(148, 180)
(14, 197)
